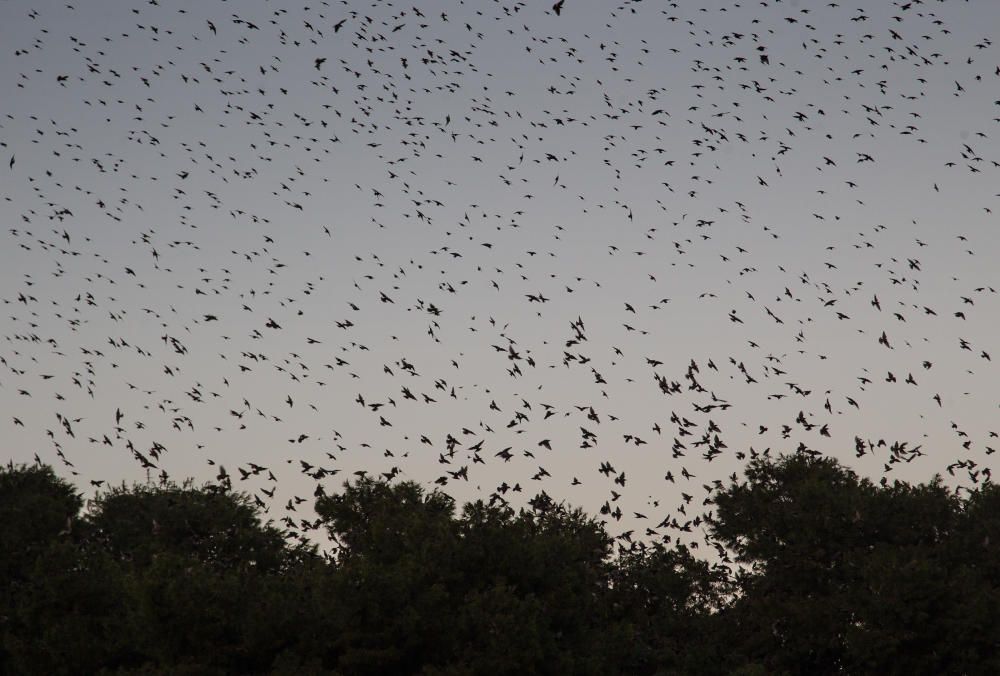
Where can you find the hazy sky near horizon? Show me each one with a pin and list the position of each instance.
(651, 234)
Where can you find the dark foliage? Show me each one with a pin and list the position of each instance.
(816, 571)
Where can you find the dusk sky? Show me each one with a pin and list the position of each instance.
(481, 244)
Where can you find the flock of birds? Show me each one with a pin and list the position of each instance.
(587, 252)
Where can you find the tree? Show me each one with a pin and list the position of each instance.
(831, 574)
(70, 617)
(666, 604)
(494, 590)
(791, 524)
(36, 507)
(57, 601)
(208, 580)
(210, 524)
(537, 581)
(843, 576)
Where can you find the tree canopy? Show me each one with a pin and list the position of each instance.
(814, 570)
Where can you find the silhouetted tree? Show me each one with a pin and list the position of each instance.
(493, 590)
(849, 577)
(210, 524)
(36, 507)
(665, 602)
(815, 571)
(58, 599)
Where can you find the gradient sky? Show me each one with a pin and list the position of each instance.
(760, 189)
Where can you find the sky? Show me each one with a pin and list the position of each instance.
(496, 248)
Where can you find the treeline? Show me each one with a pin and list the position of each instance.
(816, 572)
